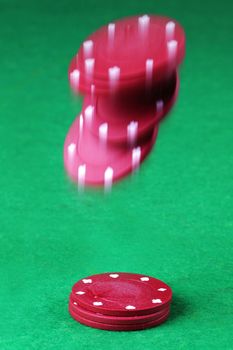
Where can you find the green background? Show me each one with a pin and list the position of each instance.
(173, 220)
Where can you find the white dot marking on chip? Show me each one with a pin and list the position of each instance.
(114, 275)
(88, 48)
(162, 289)
(114, 76)
(80, 292)
(143, 23)
(97, 303)
(170, 30)
(108, 177)
(111, 32)
(71, 149)
(89, 66)
(156, 301)
(132, 131)
(103, 132)
(149, 70)
(136, 157)
(172, 49)
(75, 303)
(130, 307)
(87, 280)
(74, 78)
(89, 114)
(81, 124)
(81, 183)
(144, 279)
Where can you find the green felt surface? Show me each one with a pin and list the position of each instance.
(173, 220)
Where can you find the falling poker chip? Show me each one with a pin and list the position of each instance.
(122, 294)
(130, 82)
(126, 53)
(91, 161)
(130, 118)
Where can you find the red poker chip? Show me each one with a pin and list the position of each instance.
(122, 294)
(134, 61)
(118, 327)
(97, 317)
(90, 161)
(112, 56)
(130, 118)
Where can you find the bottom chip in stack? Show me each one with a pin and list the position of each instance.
(133, 326)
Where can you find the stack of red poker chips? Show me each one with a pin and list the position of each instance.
(127, 72)
(120, 301)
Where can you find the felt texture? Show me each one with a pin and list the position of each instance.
(173, 220)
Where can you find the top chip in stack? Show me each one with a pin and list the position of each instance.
(127, 72)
